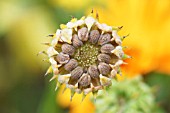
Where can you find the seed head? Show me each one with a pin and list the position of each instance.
(85, 55)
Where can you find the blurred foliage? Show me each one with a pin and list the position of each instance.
(162, 91)
(127, 96)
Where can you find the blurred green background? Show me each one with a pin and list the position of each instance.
(24, 25)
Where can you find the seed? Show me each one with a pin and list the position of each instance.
(104, 39)
(62, 58)
(93, 71)
(84, 81)
(83, 34)
(75, 75)
(104, 58)
(76, 41)
(68, 49)
(104, 68)
(107, 48)
(94, 36)
(71, 65)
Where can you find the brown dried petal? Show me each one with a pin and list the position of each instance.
(75, 75)
(68, 49)
(84, 81)
(107, 48)
(71, 65)
(104, 68)
(93, 71)
(83, 34)
(76, 42)
(62, 58)
(94, 36)
(105, 38)
(104, 58)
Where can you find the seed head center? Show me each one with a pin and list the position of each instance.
(86, 55)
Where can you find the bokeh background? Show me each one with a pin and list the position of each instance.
(25, 24)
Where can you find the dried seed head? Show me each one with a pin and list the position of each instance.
(107, 48)
(76, 42)
(71, 65)
(104, 58)
(94, 36)
(62, 58)
(68, 49)
(84, 81)
(105, 38)
(85, 55)
(93, 71)
(104, 68)
(83, 34)
(75, 75)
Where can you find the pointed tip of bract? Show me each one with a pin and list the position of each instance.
(125, 56)
(123, 37)
(97, 15)
(57, 86)
(42, 52)
(51, 35)
(120, 27)
(64, 90)
(72, 94)
(46, 43)
(95, 95)
(49, 70)
(83, 97)
(54, 77)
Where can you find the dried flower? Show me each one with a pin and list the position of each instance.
(85, 55)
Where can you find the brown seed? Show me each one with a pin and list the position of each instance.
(68, 49)
(94, 36)
(76, 42)
(84, 81)
(104, 68)
(75, 75)
(71, 65)
(104, 58)
(62, 58)
(105, 38)
(83, 34)
(93, 71)
(107, 48)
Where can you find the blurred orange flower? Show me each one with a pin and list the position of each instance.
(148, 23)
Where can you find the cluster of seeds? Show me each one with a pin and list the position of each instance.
(85, 55)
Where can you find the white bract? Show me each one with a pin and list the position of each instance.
(116, 37)
(51, 51)
(66, 35)
(118, 52)
(89, 21)
(104, 27)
